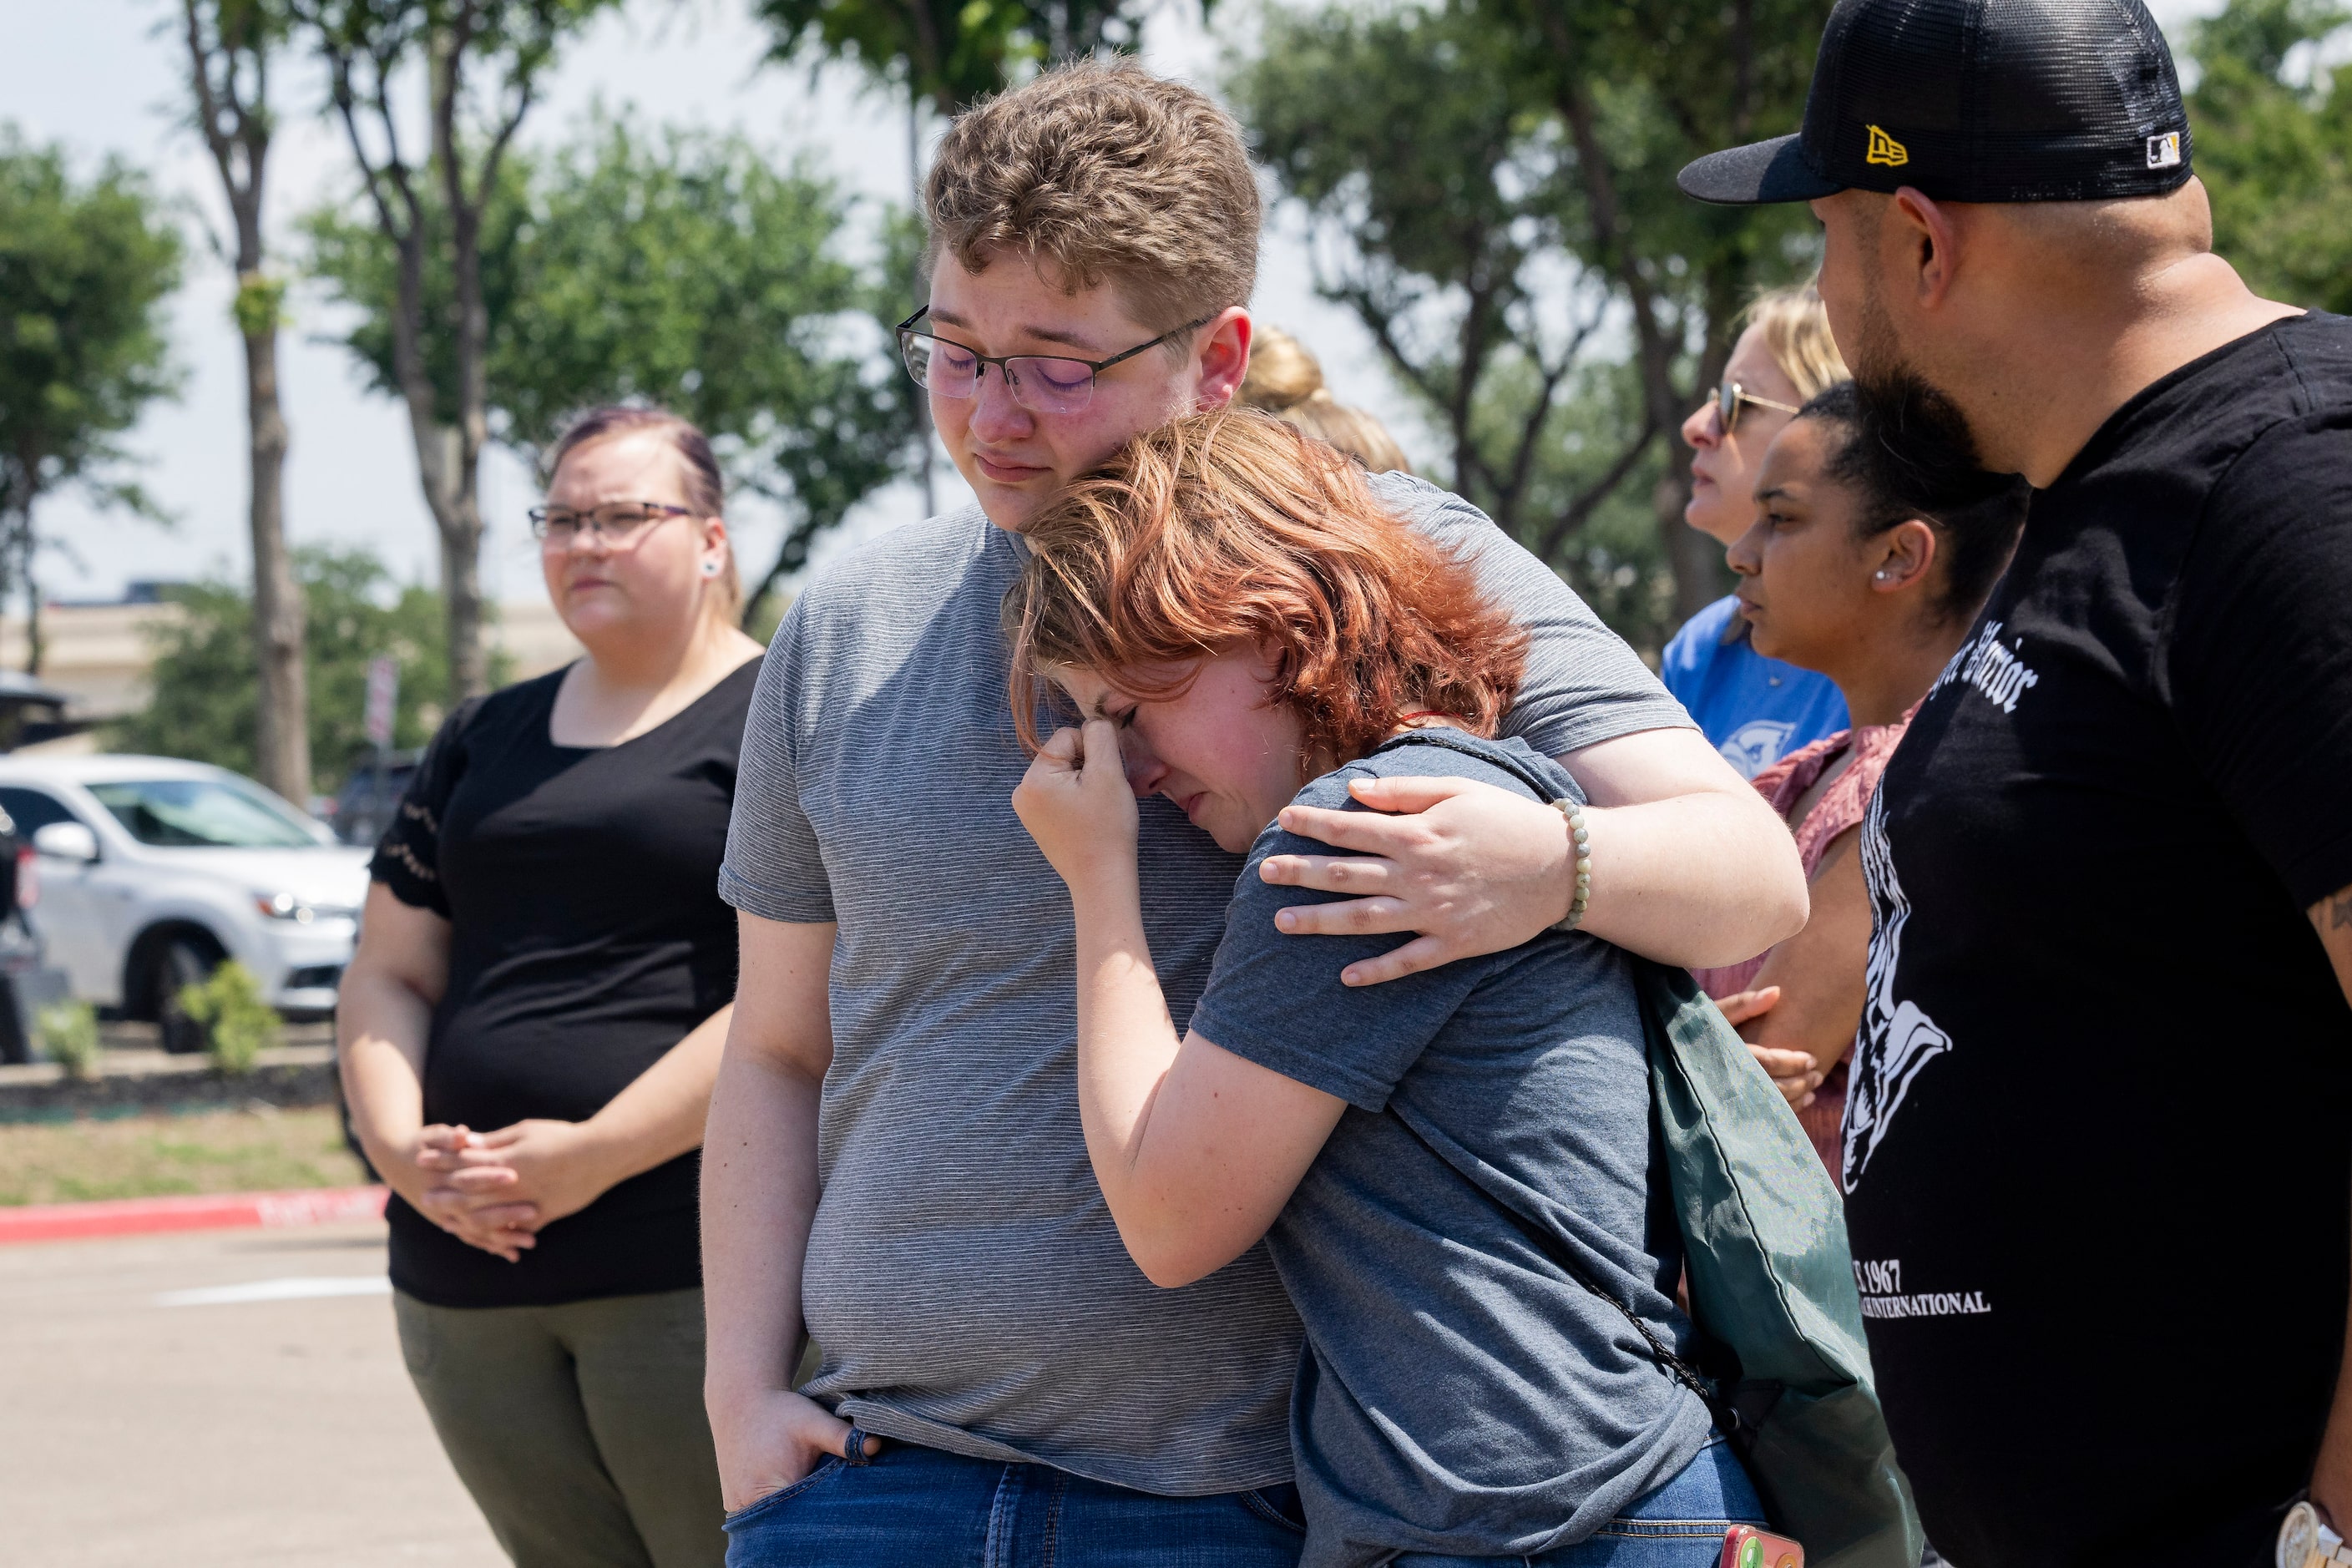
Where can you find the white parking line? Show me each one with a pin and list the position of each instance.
(300, 1287)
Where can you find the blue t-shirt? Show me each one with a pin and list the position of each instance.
(1459, 1393)
(1754, 710)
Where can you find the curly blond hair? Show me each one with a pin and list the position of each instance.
(1104, 173)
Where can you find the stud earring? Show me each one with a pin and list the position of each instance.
(710, 569)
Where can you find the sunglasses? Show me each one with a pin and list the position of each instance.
(1731, 397)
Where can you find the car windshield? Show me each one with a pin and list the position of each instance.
(202, 813)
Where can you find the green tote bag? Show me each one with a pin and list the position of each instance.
(1771, 1283)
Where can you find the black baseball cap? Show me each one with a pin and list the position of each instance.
(1974, 101)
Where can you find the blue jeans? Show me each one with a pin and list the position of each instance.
(1677, 1525)
(919, 1508)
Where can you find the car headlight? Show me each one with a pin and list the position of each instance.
(287, 907)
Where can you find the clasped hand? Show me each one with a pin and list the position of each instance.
(497, 1190)
(1075, 803)
(1796, 1074)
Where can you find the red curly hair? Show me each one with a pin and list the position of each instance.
(1233, 528)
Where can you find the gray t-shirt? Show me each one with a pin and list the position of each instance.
(1461, 1393)
(963, 1277)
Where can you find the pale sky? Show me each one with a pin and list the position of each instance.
(101, 76)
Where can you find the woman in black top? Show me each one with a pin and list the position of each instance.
(530, 1026)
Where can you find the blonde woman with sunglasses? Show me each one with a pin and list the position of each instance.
(1754, 710)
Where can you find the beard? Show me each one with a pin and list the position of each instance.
(1930, 454)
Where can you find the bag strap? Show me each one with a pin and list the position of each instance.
(1726, 1415)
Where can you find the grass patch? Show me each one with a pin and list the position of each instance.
(255, 1149)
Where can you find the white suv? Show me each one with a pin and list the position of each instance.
(154, 871)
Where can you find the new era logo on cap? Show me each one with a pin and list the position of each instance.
(1999, 101)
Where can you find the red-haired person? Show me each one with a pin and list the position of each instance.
(1243, 629)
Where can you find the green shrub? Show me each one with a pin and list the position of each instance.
(238, 1024)
(67, 1035)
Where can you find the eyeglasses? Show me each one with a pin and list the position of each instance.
(620, 524)
(1042, 383)
(1731, 395)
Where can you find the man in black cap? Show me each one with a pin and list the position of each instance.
(2098, 1146)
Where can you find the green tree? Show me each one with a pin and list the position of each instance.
(949, 53)
(1640, 87)
(203, 697)
(1494, 182)
(945, 53)
(685, 270)
(1441, 199)
(1438, 185)
(482, 63)
(2274, 142)
(86, 270)
(232, 44)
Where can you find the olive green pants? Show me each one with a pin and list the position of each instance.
(579, 1428)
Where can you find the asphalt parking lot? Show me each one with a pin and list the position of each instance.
(231, 1397)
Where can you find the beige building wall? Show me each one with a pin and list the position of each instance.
(99, 654)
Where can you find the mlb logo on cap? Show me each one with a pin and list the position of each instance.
(1974, 101)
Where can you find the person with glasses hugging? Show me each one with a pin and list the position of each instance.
(530, 1026)
(1756, 709)
(896, 1166)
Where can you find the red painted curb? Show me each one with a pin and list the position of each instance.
(215, 1211)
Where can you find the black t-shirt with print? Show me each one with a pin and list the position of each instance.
(586, 939)
(2098, 1141)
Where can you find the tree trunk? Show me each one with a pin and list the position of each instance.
(448, 458)
(1691, 555)
(461, 589)
(36, 648)
(449, 472)
(460, 517)
(283, 729)
(229, 71)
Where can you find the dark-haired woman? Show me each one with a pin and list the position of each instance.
(1838, 575)
(530, 1026)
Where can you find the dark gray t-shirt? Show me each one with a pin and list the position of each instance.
(963, 1275)
(1459, 1393)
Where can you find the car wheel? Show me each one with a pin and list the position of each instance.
(178, 962)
